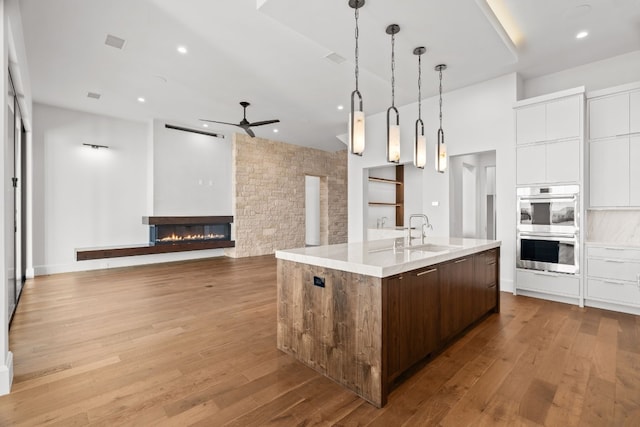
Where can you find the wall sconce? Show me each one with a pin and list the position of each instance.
(95, 146)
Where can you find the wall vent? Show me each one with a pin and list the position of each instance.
(114, 41)
(93, 95)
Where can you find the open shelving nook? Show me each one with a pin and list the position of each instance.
(398, 182)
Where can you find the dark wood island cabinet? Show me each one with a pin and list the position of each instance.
(364, 332)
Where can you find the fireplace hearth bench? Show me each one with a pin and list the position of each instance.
(171, 234)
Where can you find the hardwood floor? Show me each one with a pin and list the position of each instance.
(193, 343)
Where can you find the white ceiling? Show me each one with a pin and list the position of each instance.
(272, 54)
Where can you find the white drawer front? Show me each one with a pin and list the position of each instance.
(613, 252)
(550, 284)
(614, 291)
(614, 269)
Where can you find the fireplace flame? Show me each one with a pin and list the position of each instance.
(189, 237)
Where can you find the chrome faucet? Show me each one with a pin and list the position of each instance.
(425, 224)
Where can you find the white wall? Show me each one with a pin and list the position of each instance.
(609, 72)
(191, 173)
(86, 197)
(476, 118)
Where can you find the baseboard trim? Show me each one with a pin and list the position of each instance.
(131, 261)
(6, 375)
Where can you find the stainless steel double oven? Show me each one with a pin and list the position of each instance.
(549, 229)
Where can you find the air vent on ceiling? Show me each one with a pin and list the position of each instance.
(114, 41)
(334, 57)
(93, 95)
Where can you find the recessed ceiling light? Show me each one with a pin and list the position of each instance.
(582, 34)
(141, 99)
(204, 125)
(275, 131)
(182, 49)
(340, 107)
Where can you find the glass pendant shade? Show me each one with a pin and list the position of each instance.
(393, 144)
(420, 146)
(441, 153)
(356, 132)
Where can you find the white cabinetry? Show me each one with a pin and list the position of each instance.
(614, 148)
(531, 124)
(548, 283)
(609, 172)
(531, 164)
(563, 118)
(634, 112)
(548, 136)
(613, 278)
(634, 170)
(609, 116)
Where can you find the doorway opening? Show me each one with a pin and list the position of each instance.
(316, 211)
(472, 195)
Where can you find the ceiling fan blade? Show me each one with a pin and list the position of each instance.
(223, 123)
(265, 122)
(249, 132)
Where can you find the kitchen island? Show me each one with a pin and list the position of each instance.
(364, 313)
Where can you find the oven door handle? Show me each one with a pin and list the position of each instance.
(545, 197)
(563, 237)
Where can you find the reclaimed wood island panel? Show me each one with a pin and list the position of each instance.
(364, 328)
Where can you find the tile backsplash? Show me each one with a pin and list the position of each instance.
(614, 226)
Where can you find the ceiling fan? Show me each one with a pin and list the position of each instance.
(245, 124)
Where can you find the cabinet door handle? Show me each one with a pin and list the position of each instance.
(616, 261)
(427, 272)
(460, 260)
(611, 282)
(546, 274)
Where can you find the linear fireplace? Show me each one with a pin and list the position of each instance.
(171, 234)
(165, 230)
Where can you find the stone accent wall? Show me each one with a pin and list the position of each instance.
(269, 195)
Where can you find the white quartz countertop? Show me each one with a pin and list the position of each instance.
(378, 258)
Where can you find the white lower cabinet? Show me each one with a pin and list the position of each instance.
(613, 276)
(548, 283)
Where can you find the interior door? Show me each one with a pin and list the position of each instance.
(10, 205)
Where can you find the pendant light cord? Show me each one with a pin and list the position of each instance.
(357, 34)
(420, 88)
(440, 98)
(393, 70)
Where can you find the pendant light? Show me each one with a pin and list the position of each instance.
(420, 141)
(393, 130)
(356, 117)
(441, 150)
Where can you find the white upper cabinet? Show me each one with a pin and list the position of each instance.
(609, 172)
(563, 161)
(563, 118)
(609, 116)
(530, 124)
(634, 112)
(531, 164)
(634, 171)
